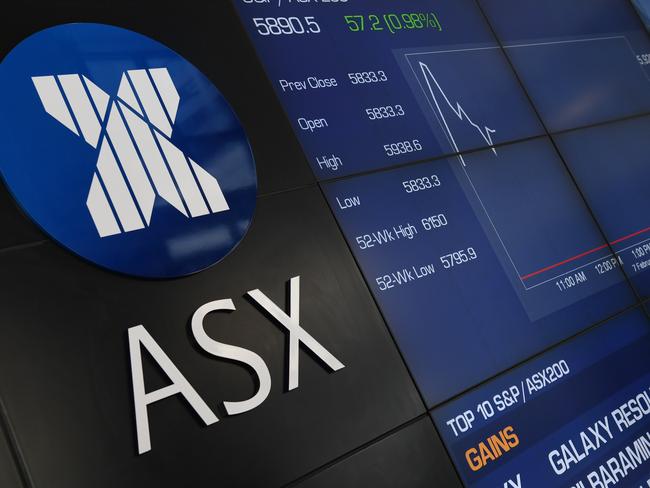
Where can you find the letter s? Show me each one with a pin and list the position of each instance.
(234, 353)
(511, 437)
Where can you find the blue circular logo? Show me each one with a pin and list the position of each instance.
(123, 151)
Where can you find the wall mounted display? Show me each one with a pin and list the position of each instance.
(472, 266)
(610, 164)
(371, 84)
(315, 243)
(575, 416)
(582, 62)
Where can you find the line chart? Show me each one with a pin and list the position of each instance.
(448, 111)
(462, 115)
(485, 132)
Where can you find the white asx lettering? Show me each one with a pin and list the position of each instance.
(139, 337)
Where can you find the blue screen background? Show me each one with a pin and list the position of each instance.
(533, 207)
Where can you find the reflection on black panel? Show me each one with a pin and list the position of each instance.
(373, 83)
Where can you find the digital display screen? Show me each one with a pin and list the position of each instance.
(485, 161)
(369, 84)
(581, 61)
(477, 260)
(435, 274)
(473, 266)
(590, 401)
(611, 167)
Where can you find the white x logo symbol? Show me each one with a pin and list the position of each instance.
(137, 159)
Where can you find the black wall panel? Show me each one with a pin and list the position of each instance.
(21, 229)
(9, 477)
(68, 392)
(413, 457)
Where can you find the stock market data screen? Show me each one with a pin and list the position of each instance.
(473, 267)
(371, 84)
(487, 163)
(581, 61)
(590, 402)
(610, 163)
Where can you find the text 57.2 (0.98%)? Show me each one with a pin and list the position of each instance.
(393, 22)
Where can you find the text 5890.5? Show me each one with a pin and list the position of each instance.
(278, 26)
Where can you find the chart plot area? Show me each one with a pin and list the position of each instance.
(547, 241)
(446, 266)
(610, 164)
(582, 62)
(578, 82)
(470, 97)
(440, 100)
(541, 241)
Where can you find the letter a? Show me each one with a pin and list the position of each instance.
(138, 336)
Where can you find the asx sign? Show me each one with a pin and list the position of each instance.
(123, 151)
(139, 339)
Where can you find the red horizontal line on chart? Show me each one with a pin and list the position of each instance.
(586, 253)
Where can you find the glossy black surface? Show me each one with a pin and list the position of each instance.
(68, 392)
(412, 457)
(9, 477)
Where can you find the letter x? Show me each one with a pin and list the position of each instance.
(137, 160)
(297, 334)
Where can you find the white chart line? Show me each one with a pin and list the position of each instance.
(464, 167)
(572, 41)
(459, 111)
(451, 51)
